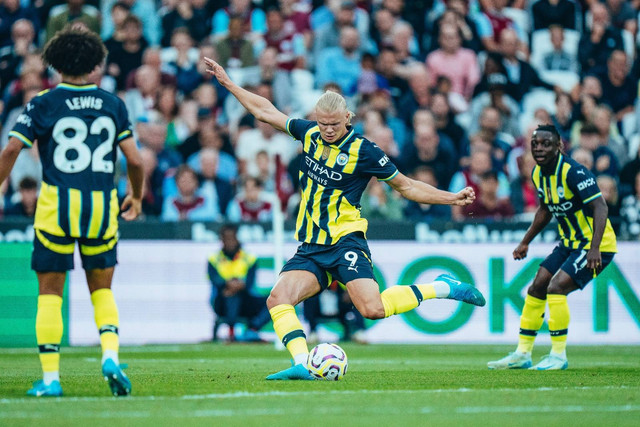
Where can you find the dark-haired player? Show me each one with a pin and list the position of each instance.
(567, 191)
(78, 128)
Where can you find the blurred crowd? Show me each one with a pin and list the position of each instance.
(451, 90)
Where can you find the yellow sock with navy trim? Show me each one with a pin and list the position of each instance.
(49, 328)
(105, 313)
(530, 322)
(289, 330)
(558, 323)
(399, 299)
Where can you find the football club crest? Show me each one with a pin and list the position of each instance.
(325, 153)
(342, 159)
(561, 192)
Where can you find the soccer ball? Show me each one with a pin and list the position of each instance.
(327, 362)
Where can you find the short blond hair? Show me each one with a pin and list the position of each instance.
(331, 101)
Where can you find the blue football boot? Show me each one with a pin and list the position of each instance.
(40, 390)
(296, 372)
(461, 291)
(118, 382)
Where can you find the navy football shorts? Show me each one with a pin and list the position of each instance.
(347, 260)
(574, 263)
(55, 253)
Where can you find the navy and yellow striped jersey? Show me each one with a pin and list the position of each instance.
(566, 193)
(78, 129)
(332, 180)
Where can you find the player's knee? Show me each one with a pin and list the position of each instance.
(372, 311)
(557, 288)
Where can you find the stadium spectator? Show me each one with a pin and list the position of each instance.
(127, 55)
(234, 50)
(497, 98)
(153, 197)
(492, 22)
(145, 10)
(609, 188)
(297, 20)
(12, 57)
(289, 45)
(232, 273)
(341, 64)
(628, 174)
(278, 79)
(25, 205)
(418, 96)
(460, 65)
(213, 184)
(603, 119)
(631, 210)
(380, 100)
(189, 203)
(209, 135)
(619, 87)
(547, 13)
(597, 43)
(521, 75)
(563, 118)
(254, 20)
(141, 99)
(119, 11)
(524, 195)
(180, 60)
(189, 14)
(421, 211)
(387, 78)
(263, 137)
(433, 150)
(444, 120)
(604, 160)
(73, 11)
(12, 11)
(328, 35)
(488, 205)
(623, 15)
(583, 156)
(457, 14)
(379, 201)
(180, 117)
(251, 204)
(559, 59)
(490, 125)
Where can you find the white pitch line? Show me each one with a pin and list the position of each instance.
(275, 393)
(540, 409)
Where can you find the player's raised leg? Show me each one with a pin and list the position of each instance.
(292, 287)
(107, 320)
(49, 329)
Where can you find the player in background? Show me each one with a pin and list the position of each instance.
(78, 128)
(336, 168)
(567, 191)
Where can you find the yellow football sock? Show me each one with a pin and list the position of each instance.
(558, 322)
(399, 299)
(289, 330)
(530, 322)
(105, 313)
(49, 329)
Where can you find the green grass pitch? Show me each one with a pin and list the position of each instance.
(386, 385)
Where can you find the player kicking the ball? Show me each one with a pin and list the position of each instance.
(567, 191)
(78, 128)
(335, 170)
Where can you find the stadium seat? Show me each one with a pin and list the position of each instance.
(541, 45)
(567, 80)
(520, 17)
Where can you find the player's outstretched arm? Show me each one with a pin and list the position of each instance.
(540, 221)
(132, 204)
(260, 107)
(8, 157)
(421, 192)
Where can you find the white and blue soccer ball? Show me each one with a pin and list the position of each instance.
(327, 362)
